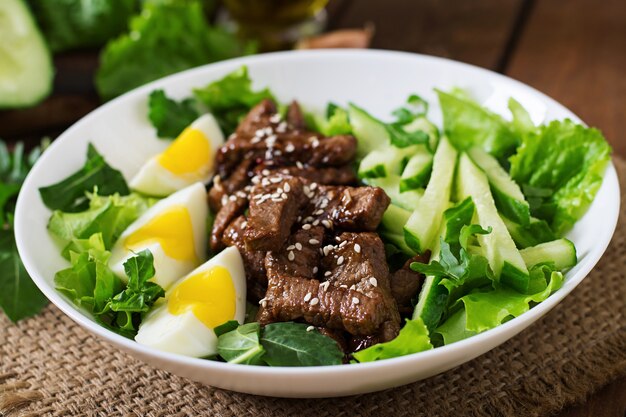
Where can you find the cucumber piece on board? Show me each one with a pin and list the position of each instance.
(26, 70)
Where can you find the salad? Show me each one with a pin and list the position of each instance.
(266, 234)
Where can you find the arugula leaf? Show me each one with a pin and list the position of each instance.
(166, 37)
(560, 167)
(416, 107)
(168, 116)
(71, 24)
(242, 345)
(140, 294)
(231, 98)
(70, 194)
(107, 215)
(468, 124)
(413, 338)
(290, 344)
(19, 296)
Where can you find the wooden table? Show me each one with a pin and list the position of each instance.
(575, 51)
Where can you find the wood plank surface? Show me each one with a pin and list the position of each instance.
(575, 51)
(473, 31)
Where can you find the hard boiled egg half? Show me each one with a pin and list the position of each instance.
(174, 230)
(190, 158)
(211, 295)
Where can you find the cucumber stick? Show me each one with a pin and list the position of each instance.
(561, 252)
(25, 64)
(391, 184)
(384, 162)
(504, 258)
(432, 299)
(425, 125)
(417, 170)
(506, 193)
(370, 132)
(392, 224)
(421, 230)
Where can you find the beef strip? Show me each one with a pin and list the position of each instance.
(357, 261)
(406, 283)
(274, 206)
(301, 256)
(343, 175)
(227, 213)
(253, 261)
(295, 118)
(224, 187)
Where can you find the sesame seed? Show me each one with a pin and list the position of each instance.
(327, 224)
(340, 260)
(318, 212)
(291, 256)
(327, 273)
(291, 247)
(233, 198)
(313, 241)
(275, 180)
(325, 285)
(241, 194)
(355, 300)
(255, 140)
(315, 269)
(313, 186)
(310, 328)
(261, 300)
(259, 133)
(306, 227)
(265, 182)
(374, 282)
(287, 187)
(343, 286)
(307, 297)
(277, 200)
(264, 304)
(244, 224)
(256, 180)
(342, 244)
(316, 222)
(357, 248)
(327, 249)
(308, 219)
(265, 172)
(275, 118)
(278, 152)
(299, 246)
(224, 199)
(315, 301)
(353, 287)
(290, 148)
(306, 189)
(299, 165)
(279, 190)
(284, 196)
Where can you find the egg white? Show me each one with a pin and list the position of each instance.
(153, 179)
(185, 334)
(168, 269)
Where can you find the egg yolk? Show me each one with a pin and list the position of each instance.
(188, 154)
(172, 229)
(210, 295)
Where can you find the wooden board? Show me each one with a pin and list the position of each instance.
(576, 53)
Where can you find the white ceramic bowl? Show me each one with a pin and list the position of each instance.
(379, 81)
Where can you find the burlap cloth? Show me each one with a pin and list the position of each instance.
(50, 366)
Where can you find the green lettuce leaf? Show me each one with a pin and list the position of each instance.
(168, 116)
(107, 215)
(560, 167)
(70, 194)
(231, 98)
(467, 124)
(416, 107)
(413, 338)
(19, 296)
(290, 344)
(166, 37)
(71, 24)
(242, 345)
(485, 309)
(336, 122)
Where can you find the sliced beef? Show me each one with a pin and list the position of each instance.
(274, 207)
(225, 187)
(343, 175)
(357, 262)
(320, 304)
(295, 118)
(227, 213)
(253, 261)
(301, 255)
(406, 283)
(334, 150)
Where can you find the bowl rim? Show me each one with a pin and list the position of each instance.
(78, 316)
